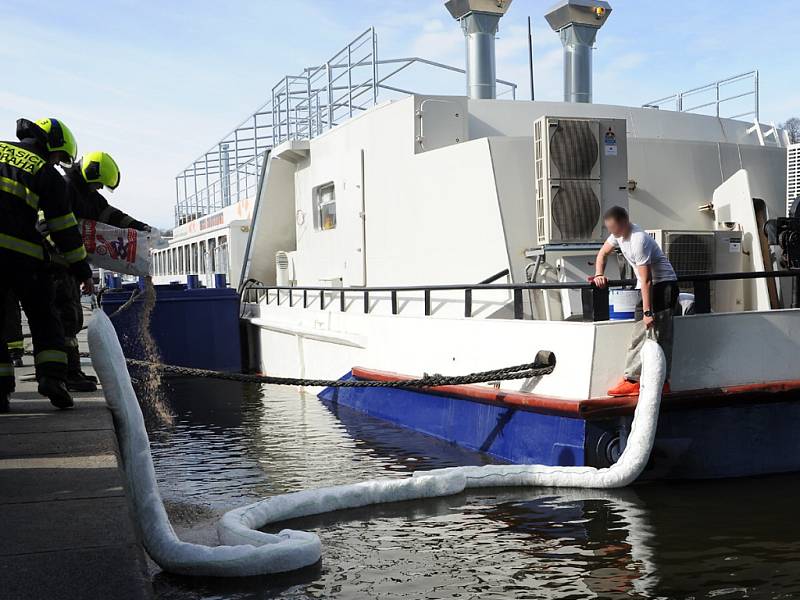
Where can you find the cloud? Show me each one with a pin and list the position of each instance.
(160, 82)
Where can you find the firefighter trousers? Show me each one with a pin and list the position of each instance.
(70, 312)
(32, 284)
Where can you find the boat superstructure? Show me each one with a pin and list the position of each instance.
(456, 233)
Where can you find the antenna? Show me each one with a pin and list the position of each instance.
(530, 59)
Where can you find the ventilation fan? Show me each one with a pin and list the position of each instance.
(690, 254)
(573, 150)
(575, 210)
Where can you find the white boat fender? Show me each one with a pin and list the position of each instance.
(252, 552)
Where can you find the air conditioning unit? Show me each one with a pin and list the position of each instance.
(581, 169)
(706, 252)
(284, 269)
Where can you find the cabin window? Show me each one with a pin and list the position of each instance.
(222, 254)
(212, 259)
(325, 207)
(194, 258)
(203, 257)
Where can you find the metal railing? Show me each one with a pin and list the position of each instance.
(301, 106)
(595, 300)
(716, 97)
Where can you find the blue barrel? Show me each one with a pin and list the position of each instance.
(113, 281)
(193, 282)
(192, 328)
(220, 280)
(622, 303)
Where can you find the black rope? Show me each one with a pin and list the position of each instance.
(128, 303)
(544, 364)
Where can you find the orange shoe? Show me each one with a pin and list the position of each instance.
(625, 388)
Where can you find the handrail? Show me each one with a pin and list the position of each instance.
(496, 276)
(595, 300)
(300, 106)
(718, 99)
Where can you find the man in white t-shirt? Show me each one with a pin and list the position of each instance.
(657, 282)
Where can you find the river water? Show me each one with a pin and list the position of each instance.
(231, 444)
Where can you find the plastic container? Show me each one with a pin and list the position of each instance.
(192, 328)
(622, 303)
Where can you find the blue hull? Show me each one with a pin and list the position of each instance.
(191, 327)
(755, 438)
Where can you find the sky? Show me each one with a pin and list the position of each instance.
(156, 84)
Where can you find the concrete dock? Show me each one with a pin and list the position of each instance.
(67, 527)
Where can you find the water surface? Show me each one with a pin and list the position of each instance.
(232, 444)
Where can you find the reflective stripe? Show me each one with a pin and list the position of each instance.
(20, 345)
(62, 223)
(6, 370)
(15, 188)
(21, 246)
(46, 356)
(76, 255)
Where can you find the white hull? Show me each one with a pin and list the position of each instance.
(710, 351)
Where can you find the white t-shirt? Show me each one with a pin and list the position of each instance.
(639, 248)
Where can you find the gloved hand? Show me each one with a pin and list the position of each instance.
(81, 271)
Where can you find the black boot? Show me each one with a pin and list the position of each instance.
(4, 403)
(77, 380)
(56, 390)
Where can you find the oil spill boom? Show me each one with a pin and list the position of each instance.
(248, 551)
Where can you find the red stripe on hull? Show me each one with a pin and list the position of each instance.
(598, 408)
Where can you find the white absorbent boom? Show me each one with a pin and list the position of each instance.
(248, 551)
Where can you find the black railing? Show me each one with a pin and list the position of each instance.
(595, 300)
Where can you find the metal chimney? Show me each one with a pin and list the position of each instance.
(480, 19)
(577, 22)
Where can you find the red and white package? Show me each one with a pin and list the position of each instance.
(124, 251)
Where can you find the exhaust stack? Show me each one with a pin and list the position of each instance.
(577, 23)
(480, 20)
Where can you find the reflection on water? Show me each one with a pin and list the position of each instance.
(232, 444)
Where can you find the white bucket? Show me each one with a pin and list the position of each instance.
(622, 303)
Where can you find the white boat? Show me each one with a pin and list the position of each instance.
(211, 248)
(455, 234)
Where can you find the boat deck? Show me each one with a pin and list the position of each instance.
(67, 528)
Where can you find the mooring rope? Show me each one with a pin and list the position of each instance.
(128, 303)
(543, 365)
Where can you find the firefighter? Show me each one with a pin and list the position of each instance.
(93, 172)
(29, 182)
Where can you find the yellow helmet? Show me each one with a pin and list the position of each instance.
(59, 137)
(99, 167)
